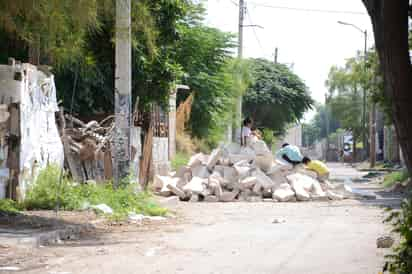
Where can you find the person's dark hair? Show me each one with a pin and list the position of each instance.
(285, 144)
(247, 121)
(306, 160)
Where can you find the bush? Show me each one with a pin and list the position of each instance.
(47, 193)
(395, 177)
(400, 262)
(8, 206)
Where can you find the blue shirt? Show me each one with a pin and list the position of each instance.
(292, 152)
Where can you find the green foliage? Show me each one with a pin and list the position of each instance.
(395, 177)
(47, 193)
(268, 137)
(180, 159)
(55, 27)
(400, 262)
(345, 85)
(209, 72)
(276, 97)
(8, 206)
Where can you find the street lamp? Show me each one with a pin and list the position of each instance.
(365, 34)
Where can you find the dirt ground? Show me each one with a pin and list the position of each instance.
(206, 238)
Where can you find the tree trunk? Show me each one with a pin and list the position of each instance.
(390, 24)
(121, 149)
(372, 127)
(34, 52)
(354, 149)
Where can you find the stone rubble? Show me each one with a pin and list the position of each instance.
(233, 173)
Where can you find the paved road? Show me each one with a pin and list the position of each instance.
(317, 237)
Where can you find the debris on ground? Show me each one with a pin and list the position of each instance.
(279, 221)
(234, 173)
(385, 242)
(105, 209)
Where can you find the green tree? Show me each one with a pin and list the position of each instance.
(50, 29)
(345, 96)
(276, 97)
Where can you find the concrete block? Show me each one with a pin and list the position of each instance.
(211, 199)
(334, 196)
(200, 171)
(283, 193)
(254, 199)
(247, 183)
(317, 190)
(219, 169)
(263, 179)
(229, 196)
(243, 170)
(176, 191)
(214, 158)
(264, 162)
(230, 174)
(214, 186)
(196, 185)
(303, 181)
(198, 159)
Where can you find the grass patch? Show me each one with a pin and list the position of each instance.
(394, 177)
(9, 206)
(47, 193)
(180, 159)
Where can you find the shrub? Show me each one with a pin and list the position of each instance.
(400, 262)
(47, 193)
(395, 177)
(9, 206)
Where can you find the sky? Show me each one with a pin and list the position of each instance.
(312, 41)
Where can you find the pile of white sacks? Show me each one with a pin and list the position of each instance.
(233, 173)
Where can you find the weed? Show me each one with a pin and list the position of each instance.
(395, 177)
(46, 193)
(400, 262)
(8, 206)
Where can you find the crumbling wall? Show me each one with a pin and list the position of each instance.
(33, 141)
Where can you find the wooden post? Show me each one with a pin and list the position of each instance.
(123, 87)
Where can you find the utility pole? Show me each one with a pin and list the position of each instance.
(242, 8)
(121, 150)
(276, 55)
(327, 125)
(365, 58)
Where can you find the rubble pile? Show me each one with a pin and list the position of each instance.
(233, 173)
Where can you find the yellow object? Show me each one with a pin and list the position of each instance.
(319, 167)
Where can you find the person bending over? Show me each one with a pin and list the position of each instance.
(290, 154)
(322, 171)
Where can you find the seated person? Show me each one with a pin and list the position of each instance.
(322, 171)
(290, 154)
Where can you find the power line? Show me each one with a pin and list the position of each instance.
(307, 10)
(254, 31)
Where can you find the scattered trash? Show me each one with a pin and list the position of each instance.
(279, 220)
(152, 251)
(103, 208)
(385, 242)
